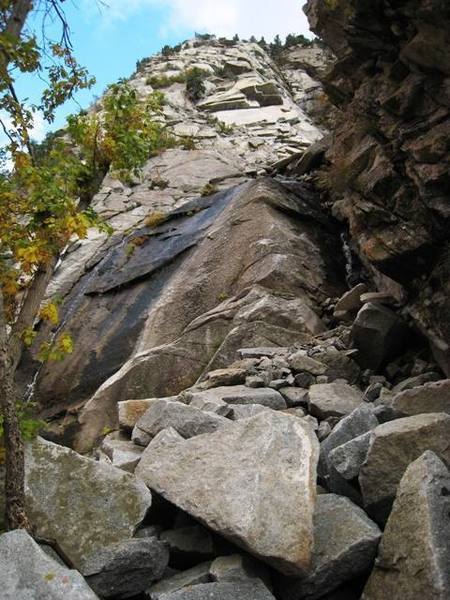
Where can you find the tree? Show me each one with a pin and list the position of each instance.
(44, 199)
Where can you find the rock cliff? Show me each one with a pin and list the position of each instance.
(159, 296)
(389, 158)
(257, 382)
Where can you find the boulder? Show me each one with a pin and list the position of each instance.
(185, 579)
(379, 334)
(188, 421)
(359, 421)
(345, 546)
(225, 590)
(130, 411)
(301, 362)
(348, 458)
(350, 302)
(294, 396)
(211, 404)
(414, 555)
(340, 365)
(263, 352)
(431, 397)
(333, 399)
(79, 504)
(122, 453)
(264, 465)
(244, 411)
(188, 545)
(237, 567)
(416, 381)
(240, 394)
(393, 446)
(28, 573)
(229, 376)
(128, 568)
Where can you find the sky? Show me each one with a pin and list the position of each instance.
(109, 36)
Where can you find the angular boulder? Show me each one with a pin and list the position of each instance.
(333, 399)
(189, 578)
(130, 411)
(188, 421)
(301, 362)
(431, 397)
(225, 590)
(348, 458)
(414, 555)
(188, 545)
(359, 421)
(28, 573)
(128, 568)
(237, 567)
(263, 467)
(79, 504)
(240, 394)
(350, 302)
(345, 545)
(122, 453)
(393, 446)
(379, 335)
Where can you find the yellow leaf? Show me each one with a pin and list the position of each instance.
(49, 312)
(28, 336)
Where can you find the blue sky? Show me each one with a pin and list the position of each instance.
(108, 39)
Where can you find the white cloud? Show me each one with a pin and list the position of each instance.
(40, 127)
(221, 17)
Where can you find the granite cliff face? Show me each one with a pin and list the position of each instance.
(172, 292)
(389, 173)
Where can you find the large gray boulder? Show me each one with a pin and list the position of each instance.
(348, 458)
(414, 555)
(128, 568)
(28, 573)
(431, 397)
(379, 334)
(188, 421)
(188, 578)
(189, 545)
(80, 504)
(253, 481)
(299, 361)
(240, 394)
(345, 545)
(122, 453)
(359, 421)
(333, 399)
(225, 590)
(238, 567)
(393, 446)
